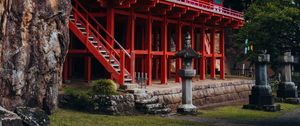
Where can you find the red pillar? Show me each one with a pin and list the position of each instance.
(110, 22)
(132, 68)
(131, 41)
(122, 68)
(203, 58)
(178, 48)
(193, 41)
(222, 49)
(213, 57)
(149, 57)
(66, 66)
(164, 61)
(88, 68)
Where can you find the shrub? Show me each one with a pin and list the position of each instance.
(76, 99)
(104, 87)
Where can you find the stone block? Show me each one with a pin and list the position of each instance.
(219, 90)
(287, 90)
(33, 116)
(210, 92)
(8, 118)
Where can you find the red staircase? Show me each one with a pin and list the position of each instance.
(114, 61)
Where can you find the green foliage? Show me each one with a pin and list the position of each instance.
(77, 99)
(81, 98)
(104, 87)
(272, 25)
(237, 113)
(73, 118)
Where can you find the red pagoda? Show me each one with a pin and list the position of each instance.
(117, 38)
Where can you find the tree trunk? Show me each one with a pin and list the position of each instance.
(34, 39)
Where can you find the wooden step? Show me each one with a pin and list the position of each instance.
(94, 42)
(91, 38)
(128, 80)
(106, 56)
(81, 28)
(115, 65)
(102, 51)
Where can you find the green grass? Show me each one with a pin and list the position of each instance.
(237, 113)
(73, 118)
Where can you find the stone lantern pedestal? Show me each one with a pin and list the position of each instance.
(261, 97)
(287, 90)
(187, 73)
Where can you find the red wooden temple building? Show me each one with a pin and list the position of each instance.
(117, 38)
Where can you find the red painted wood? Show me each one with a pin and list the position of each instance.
(132, 67)
(178, 46)
(100, 42)
(122, 68)
(222, 60)
(149, 57)
(192, 31)
(132, 40)
(203, 58)
(213, 58)
(110, 22)
(164, 38)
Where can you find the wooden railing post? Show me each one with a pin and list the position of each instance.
(132, 67)
(122, 67)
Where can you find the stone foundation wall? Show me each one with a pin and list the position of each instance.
(205, 95)
(114, 104)
(104, 104)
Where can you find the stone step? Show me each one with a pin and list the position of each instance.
(153, 106)
(129, 86)
(160, 111)
(147, 101)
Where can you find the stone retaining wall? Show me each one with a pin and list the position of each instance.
(114, 105)
(106, 104)
(208, 94)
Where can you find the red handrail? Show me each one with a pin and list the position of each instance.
(78, 4)
(211, 7)
(92, 29)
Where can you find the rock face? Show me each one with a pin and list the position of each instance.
(8, 118)
(33, 44)
(33, 116)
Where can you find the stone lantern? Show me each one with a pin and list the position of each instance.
(287, 89)
(261, 97)
(187, 73)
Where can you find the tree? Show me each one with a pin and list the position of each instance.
(272, 25)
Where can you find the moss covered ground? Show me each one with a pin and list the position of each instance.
(73, 118)
(237, 113)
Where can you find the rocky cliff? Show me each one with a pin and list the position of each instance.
(34, 38)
